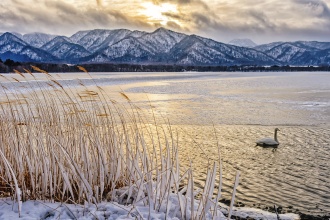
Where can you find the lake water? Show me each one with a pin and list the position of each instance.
(243, 108)
(237, 109)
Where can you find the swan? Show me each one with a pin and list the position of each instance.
(269, 142)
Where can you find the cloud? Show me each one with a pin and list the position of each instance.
(99, 2)
(173, 15)
(265, 21)
(173, 25)
(183, 2)
(61, 17)
(261, 20)
(316, 7)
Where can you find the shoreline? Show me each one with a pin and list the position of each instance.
(37, 209)
(40, 209)
(303, 216)
(123, 67)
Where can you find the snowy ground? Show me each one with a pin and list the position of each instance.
(46, 210)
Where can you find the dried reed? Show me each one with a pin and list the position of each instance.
(55, 147)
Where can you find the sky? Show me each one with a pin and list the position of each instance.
(262, 21)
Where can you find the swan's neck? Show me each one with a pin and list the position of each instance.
(275, 136)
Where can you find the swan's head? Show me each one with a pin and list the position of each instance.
(276, 129)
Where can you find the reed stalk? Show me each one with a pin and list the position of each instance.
(59, 143)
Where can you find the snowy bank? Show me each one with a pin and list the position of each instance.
(112, 210)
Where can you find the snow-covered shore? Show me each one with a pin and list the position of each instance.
(32, 210)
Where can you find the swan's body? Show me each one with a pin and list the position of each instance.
(269, 142)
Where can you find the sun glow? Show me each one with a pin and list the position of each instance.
(155, 13)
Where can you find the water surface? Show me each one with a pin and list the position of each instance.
(237, 109)
(247, 106)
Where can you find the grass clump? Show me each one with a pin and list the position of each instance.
(77, 145)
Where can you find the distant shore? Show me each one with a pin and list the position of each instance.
(9, 66)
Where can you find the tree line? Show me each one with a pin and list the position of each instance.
(8, 66)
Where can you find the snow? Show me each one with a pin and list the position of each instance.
(98, 39)
(12, 44)
(9, 38)
(314, 44)
(128, 46)
(53, 42)
(162, 40)
(17, 34)
(297, 53)
(32, 210)
(260, 214)
(62, 48)
(113, 210)
(77, 36)
(285, 52)
(31, 54)
(37, 39)
(114, 37)
(137, 34)
(122, 208)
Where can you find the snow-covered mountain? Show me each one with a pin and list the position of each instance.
(161, 46)
(137, 47)
(321, 57)
(243, 43)
(62, 48)
(194, 49)
(137, 33)
(128, 50)
(17, 34)
(77, 36)
(298, 53)
(169, 47)
(12, 47)
(37, 39)
(245, 55)
(97, 39)
(161, 40)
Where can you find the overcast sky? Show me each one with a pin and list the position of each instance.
(260, 20)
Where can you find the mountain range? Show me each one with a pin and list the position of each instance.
(162, 46)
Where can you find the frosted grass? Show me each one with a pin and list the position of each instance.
(56, 147)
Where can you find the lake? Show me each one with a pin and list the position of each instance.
(236, 109)
(245, 107)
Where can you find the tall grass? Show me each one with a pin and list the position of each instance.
(76, 144)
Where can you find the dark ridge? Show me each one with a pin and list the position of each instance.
(9, 65)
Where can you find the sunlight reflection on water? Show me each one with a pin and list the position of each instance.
(243, 107)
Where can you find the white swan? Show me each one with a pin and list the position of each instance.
(269, 142)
